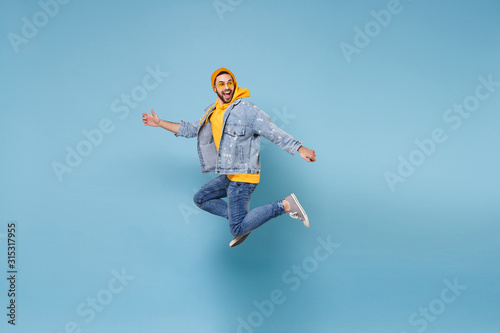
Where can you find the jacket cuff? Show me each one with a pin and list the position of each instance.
(295, 147)
(181, 130)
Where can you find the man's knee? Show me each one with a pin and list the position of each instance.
(198, 198)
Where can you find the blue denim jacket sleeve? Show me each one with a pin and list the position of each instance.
(188, 130)
(264, 126)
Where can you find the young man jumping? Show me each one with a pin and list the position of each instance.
(228, 143)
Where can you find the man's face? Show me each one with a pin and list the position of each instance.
(224, 87)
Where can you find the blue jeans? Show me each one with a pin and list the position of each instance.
(236, 209)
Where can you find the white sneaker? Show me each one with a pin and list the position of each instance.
(238, 240)
(296, 210)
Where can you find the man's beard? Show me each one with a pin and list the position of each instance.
(223, 98)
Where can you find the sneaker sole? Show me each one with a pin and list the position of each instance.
(306, 219)
(238, 241)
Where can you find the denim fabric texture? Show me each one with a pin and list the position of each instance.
(239, 150)
(236, 209)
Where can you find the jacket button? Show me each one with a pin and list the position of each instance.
(219, 154)
(234, 132)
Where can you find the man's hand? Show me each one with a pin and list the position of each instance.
(308, 154)
(151, 119)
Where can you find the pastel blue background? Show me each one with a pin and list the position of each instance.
(128, 204)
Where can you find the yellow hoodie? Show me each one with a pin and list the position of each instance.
(216, 117)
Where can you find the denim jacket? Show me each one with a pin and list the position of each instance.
(239, 147)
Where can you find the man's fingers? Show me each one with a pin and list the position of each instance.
(309, 155)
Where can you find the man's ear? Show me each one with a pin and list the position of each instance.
(215, 91)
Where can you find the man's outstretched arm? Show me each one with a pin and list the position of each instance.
(154, 121)
(263, 125)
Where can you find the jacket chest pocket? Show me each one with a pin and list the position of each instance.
(234, 130)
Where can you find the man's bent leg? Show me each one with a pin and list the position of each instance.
(241, 221)
(209, 196)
